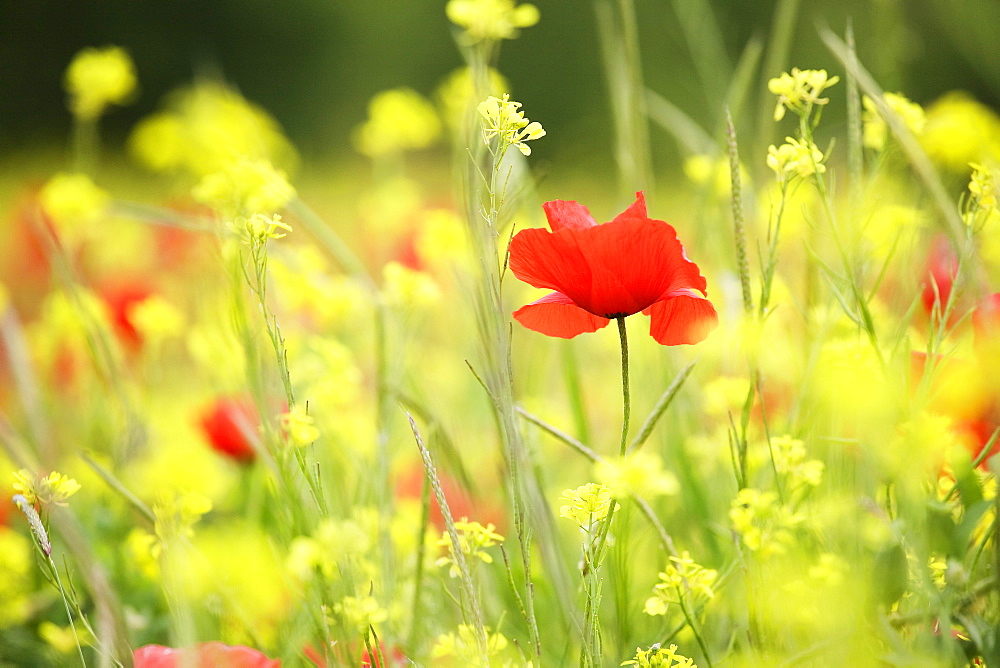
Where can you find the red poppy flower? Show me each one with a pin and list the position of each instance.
(203, 655)
(231, 424)
(602, 272)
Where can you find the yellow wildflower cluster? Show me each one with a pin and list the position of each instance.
(640, 474)
(299, 427)
(205, 128)
(244, 188)
(177, 513)
(258, 228)
(491, 20)
(97, 78)
(681, 577)
(333, 544)
(983, 185)
(53, 489)
(358, 613)
(800, 90)
(504, 120)
(764, 525)
(399, 120)
(876, 130)
(982, 205)
(462, 648)
(473, 539)
(588, 504)
(796, 157)
(790, 460)
(657, 657)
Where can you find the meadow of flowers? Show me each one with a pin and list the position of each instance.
(258, 414)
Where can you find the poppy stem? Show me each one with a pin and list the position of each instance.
(623, 335)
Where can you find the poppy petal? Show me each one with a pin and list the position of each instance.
(567, 214)
(683, 317)
(637, 209)
(618, 268)
(555, 314)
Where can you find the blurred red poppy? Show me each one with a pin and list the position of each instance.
(602, 272)
(230, 425)
(461, 501)
(939, 274)
(121, 297)
(203, 655)
(392, 659)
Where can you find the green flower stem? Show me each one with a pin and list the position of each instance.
(623, 335)
(689, 618)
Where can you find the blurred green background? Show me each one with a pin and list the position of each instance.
(314, 64)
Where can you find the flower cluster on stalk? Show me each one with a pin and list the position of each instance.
(799, 91)
(504, 121)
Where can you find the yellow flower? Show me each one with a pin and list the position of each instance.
(983, 188)
(961, 130)
(398, 120)
(156, 319)
(503, 119)
(790, 460)
(442, 239)
(206, 127)
(405, 287)
(299, 426)
(258, 228)
(246, 188)
(74, 203)
(763, 524)
(464, 646)
(177, 513)
(457, 97)
(473, 539)
(63, 639)
(99, 77)
(800, 90)
(876, 129)
(16, 562)
(641, 474)
(54, 488)
(491, 20)
(587, 504)
(795, 158)
(142, 550)
(657, 657)
(681, 576)
(359, 613)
